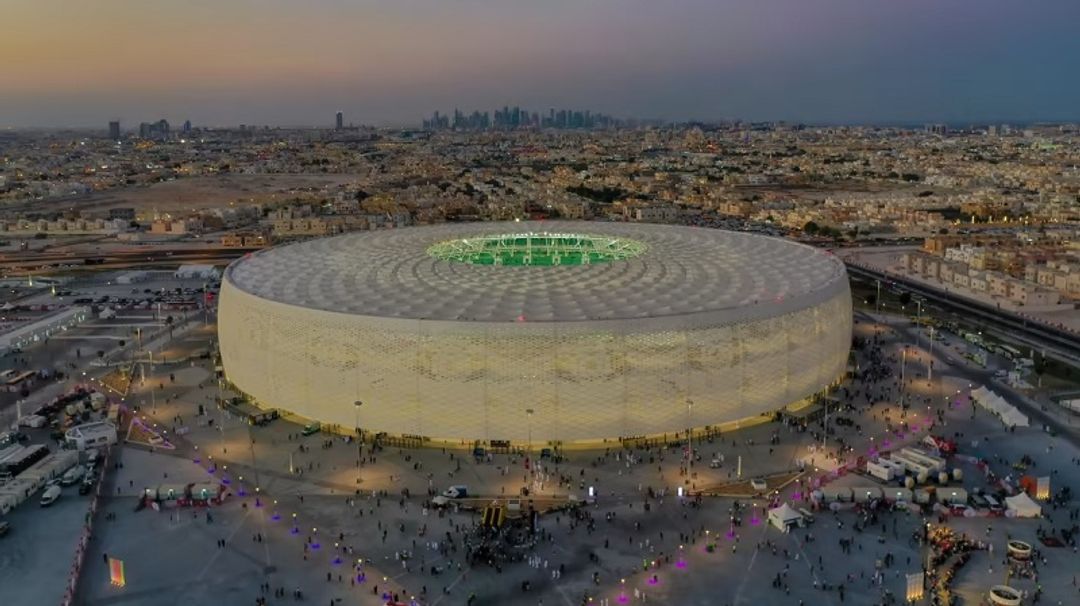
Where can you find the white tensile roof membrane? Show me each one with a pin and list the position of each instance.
(682, 271)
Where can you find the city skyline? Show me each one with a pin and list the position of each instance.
(838, 61)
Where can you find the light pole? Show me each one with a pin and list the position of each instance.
(825, 423)
(918, 323)
(528, 415)
(930, 360)
(877, 301)
(903, 375)
(221, 415)
(359, 445)
(689, 434)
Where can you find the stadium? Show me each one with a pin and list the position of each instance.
(538, 332)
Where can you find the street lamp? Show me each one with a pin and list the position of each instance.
(359, 444)
(918, 323)
(689, 434)
(528, 415)
(930, 360)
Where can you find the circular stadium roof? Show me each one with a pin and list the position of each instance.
(641, 271)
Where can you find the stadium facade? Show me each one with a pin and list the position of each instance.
(535, 331)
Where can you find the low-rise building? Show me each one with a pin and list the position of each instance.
(91, 435)
(654, 213)
(245, 239)
(1033, 295)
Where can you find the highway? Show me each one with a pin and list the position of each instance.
(43, 263)
(1056, 343)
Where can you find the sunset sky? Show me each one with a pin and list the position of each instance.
(296, 62)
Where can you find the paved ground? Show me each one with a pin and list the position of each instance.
(310, 521)
(36, 555)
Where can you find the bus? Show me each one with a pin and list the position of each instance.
(973, 338)
(14, 380)
(1010, 352)
(17, 458)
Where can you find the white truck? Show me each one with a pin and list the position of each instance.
(35, 421)
(454, 492)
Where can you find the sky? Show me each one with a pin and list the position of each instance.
(393, 62)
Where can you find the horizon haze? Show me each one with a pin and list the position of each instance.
(393, 63)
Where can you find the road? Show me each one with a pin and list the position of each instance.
(1057, 343)
(39, 263)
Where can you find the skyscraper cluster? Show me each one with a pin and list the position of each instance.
(157, 131)
(516, 117)
(154, 130)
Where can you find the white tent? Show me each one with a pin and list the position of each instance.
(1023, 506)
(200, 272)
(991, 401)
(1013, 417)
(784, 517)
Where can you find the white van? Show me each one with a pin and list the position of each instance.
(73, 475)
(51, 494)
